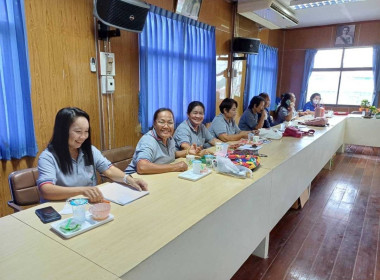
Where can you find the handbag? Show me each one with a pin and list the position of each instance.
(296, 132)
(317, 122)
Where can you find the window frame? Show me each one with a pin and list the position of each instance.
(340, 70)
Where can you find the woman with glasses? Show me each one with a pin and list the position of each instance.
(192, 135)
(156, 150)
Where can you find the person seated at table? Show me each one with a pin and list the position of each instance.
(268, 122)
(156, 150)
(310, 106)
(223, 125)
(250, 119)
(192, 132)
(286, 111)
(67, 167)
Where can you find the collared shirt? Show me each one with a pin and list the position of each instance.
(220, 126)
(248, 120)
(81, 175)
(185, 133)
(309, 106)
(268, 121)
(282, 114)
(151, 148)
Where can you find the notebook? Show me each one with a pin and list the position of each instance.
(190, 175)
(120, 194)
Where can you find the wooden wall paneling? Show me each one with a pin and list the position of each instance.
(312, 37)
(292, 72)
(369, 33)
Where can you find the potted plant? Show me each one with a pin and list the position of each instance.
(373, 110)
(364, 105)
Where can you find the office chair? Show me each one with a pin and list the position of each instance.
(119, 157)
(23, 189)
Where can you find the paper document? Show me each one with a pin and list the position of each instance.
(120, 194)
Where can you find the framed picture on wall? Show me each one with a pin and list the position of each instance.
(345, 35)
(189, 8)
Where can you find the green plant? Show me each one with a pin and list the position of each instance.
(373, 109)
(365, 103)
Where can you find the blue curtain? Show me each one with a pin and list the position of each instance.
(307, 69)
(376, 74)
(261, 74)
(17, 137)
(177, 66)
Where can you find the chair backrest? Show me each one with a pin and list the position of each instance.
(23, 186)
(120, 157)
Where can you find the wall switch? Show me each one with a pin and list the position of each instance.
(110, 84)
(107, 64)
(92, 64)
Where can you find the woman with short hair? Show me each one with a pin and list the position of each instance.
(250, 119)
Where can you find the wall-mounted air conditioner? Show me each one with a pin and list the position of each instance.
(268, 13)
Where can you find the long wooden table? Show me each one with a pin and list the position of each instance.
(204, 229)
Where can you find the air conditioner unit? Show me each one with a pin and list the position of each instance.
(268, 13)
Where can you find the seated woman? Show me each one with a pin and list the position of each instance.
(286, 111)
(223, 126)
(250, 119)
(68, 166)
(310, 106)
(192, 133)
(156, 149)
(268, 122)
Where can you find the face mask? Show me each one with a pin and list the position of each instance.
(288, 102)
(315, 101)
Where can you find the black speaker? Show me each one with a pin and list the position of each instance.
(124, 14)
(245, 45)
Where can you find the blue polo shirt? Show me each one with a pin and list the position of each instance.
(151, 148)
(185, 133)
(309, 106)
(220, 125)
(248, 120)
(81, 175)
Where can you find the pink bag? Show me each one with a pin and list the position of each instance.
(296, 132)
(317, 122)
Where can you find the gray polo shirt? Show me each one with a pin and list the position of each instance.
(220, 125)
(282, 114)
(248, 120)
(185, 133)
(82, 175)
(151, 148)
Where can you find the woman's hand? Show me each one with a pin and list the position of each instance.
(194, 149)
(138, 184)
(180, 166)
(93, 193)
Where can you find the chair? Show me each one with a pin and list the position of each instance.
(23, 188)
(119, 157)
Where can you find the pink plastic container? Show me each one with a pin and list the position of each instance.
(100, 211)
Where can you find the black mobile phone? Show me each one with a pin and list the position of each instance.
(48, 214)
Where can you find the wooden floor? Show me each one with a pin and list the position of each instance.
(336, 234)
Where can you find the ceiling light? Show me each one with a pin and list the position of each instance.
(305, 4)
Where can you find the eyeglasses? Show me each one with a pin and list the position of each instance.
(163, 123)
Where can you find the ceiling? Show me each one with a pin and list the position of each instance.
(335, 14)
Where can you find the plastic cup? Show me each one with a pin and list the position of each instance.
(218, 147)
(282, 127)
(256, 139)
(208, 159)
(250, 137)
(79, 209)
(190, 159)
(197, 166)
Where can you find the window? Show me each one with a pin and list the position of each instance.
(342, 76)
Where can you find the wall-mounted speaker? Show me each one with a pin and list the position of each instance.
(128, 15)
(245, 45)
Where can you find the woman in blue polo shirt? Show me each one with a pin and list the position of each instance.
(192, 132)
(315, 99)
(156, 149)
(68, 166)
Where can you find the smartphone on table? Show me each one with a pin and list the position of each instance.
(48, 214)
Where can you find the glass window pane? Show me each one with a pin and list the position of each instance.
(355, 86)
(328, 58)
(359, 57)
(325, 83)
